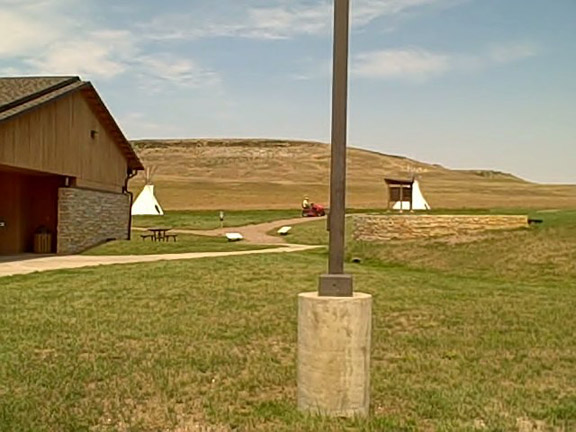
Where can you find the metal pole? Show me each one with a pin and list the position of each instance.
(336, 283)
(339, 132)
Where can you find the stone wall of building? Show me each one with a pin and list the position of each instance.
(409, 227)
(87, 218)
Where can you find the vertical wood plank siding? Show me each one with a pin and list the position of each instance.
(56, 138)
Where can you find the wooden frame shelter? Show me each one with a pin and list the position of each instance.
(399, 191)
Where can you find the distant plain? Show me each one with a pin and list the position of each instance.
(247, 174)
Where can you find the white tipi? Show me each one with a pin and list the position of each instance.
(146, 203)
(418, 200)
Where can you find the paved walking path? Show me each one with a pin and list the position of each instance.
(27, 264)
(256, 234)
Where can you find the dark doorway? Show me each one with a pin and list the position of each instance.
(28, 201)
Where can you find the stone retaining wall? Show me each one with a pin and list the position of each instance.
(87, 218)
(407, 227)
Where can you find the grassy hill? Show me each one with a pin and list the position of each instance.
(258, 174)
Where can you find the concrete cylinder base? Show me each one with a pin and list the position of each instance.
(334, 354)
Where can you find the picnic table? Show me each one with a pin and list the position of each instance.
(159, 234)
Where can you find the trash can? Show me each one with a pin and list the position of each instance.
(42, 240)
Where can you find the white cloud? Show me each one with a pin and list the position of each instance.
(52, 37)
(100, 55)
(511, 52)
(366, 11)
(38, 37)
(405, 64)
(28, 25)
(282, 20)
(58, 37)
(419, 64)
(171, 69)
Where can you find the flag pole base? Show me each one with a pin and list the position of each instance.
(334, 337)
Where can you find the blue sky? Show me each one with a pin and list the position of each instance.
(465, 83)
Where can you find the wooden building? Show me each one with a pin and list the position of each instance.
(399, 191)
(64, 166)
(405, 195)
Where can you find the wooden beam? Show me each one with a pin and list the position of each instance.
(336, 283)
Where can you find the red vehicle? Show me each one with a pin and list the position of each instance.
(315, 210)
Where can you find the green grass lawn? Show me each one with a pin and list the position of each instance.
(183, 345)
(545, 252)
(542, 252)
(208, 219)
(185, 243)
(310, 233)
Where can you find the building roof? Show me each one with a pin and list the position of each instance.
(392, 182)
(21, 94)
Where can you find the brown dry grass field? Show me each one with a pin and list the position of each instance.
(239, 174)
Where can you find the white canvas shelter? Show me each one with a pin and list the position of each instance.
(418, 200)
(146, 203)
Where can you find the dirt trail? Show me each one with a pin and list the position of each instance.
(256, 234)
